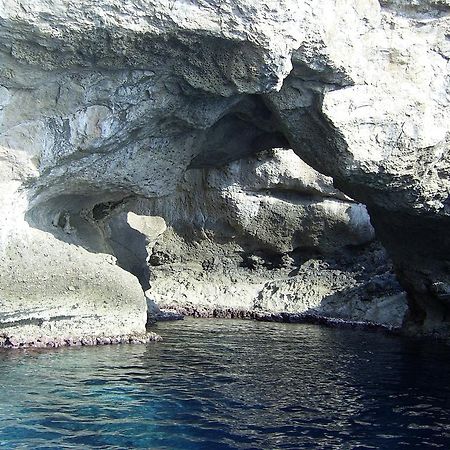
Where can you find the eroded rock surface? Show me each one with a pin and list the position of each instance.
(106, 103)
(268, 237)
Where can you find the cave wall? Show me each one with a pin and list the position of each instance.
(264, 237)
(373, 113)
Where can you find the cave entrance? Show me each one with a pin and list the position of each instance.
(262, 236)
(247, 229)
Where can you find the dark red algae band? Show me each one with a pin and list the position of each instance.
(51, 342)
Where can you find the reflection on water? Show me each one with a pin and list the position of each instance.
(218, 384)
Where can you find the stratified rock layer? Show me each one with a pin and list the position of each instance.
(105, 102)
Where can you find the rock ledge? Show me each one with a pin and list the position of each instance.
(51, 342)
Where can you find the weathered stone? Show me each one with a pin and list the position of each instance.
(104, 103)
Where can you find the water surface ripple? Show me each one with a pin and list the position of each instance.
(222, 384)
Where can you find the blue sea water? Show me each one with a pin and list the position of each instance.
(223, 384)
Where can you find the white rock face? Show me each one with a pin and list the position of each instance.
(282, 203)
(369, 106)
(264, 237)
(103, 102)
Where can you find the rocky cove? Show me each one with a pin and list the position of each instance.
(279, 160)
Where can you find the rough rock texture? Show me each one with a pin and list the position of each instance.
(15, 342)
(104, 102)
(382, 131)
(262, 236)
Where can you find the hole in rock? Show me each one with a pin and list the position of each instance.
(248, 129)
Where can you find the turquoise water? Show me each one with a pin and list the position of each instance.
(218, 384)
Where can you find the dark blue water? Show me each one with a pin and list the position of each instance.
(230, 385)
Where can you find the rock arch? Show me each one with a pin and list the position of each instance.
(99, 105)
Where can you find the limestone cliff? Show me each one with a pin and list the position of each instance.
(164, 107)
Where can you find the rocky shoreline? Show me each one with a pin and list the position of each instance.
(281, 317)
(13, 342)
(200, 312)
